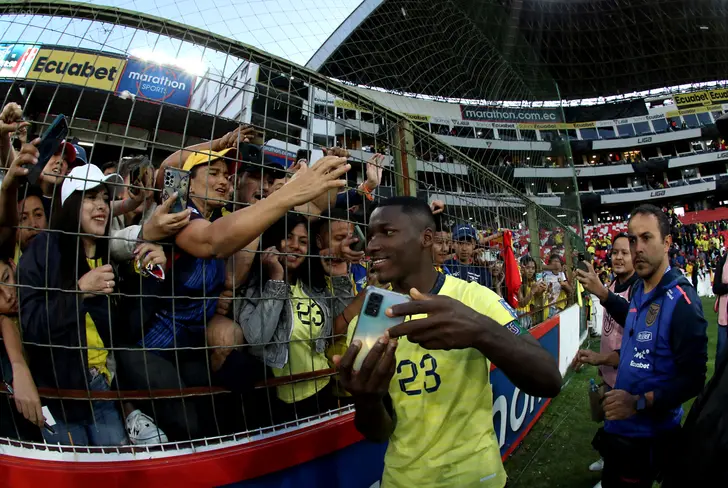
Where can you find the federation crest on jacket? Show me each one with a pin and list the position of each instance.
(652, 314)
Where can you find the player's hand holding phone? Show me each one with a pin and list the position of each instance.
(371, 382)
(449, 323)
(368, 365)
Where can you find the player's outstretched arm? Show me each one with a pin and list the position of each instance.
(452, 325)
(528, 365)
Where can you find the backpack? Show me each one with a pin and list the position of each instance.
(700, 460)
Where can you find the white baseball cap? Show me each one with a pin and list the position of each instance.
(86, 177)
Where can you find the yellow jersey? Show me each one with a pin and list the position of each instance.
(443, 403)
(97, 354)
(302, 356)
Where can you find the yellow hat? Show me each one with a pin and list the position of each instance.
(197, 158)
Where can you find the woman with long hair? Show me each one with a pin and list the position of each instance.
(530, 294)
(66, 302)
(287, 315)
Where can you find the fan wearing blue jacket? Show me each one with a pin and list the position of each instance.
(661, 363)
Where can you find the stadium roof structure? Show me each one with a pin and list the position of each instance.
(523, 49)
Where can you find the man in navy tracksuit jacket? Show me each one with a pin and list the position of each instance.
(661, 364)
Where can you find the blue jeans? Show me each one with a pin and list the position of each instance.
(720, 351)
(104, 428)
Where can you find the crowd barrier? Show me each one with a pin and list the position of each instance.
(322, 452)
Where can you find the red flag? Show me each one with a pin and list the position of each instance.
(513, 275)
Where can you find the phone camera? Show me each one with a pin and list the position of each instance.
(374, 304)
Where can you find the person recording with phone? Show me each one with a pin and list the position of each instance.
(612, 331)
(11, 124)
(289, 308)
(14, 368)
(558, 287)
(136, 216)
(435, 364)
(530, 294)
(661, 362)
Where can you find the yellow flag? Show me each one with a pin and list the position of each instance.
(579, 291)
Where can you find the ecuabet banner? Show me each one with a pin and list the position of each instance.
(77, 68)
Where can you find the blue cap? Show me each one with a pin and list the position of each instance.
(464, 231)
(80, 154)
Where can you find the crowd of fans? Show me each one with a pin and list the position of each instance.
(697, 250)
(108, 287)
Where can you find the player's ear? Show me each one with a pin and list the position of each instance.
(427, 237)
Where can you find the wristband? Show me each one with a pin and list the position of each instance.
(366, 191)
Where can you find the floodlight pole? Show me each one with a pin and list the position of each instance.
(405, 161)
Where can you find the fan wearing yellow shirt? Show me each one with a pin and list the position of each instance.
(425, 385)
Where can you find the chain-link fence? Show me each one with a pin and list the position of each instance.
(181, 273)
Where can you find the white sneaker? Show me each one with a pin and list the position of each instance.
(141, 429)
(597, 465)
(598, 485)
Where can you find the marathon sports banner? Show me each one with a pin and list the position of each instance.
(503, 114)
(16, 59)
(157, 83)
(701, 98)
(77, 68)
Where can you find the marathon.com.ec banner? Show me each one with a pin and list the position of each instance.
(157, 83)
(490, 113)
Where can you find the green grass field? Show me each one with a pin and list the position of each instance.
(558, 452)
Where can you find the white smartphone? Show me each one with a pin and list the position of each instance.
(373, 322)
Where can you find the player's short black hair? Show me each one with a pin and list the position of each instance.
(663, 221)
(413, 207)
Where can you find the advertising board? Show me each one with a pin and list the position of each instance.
(504, 114)
(16, 59)
(77, 68)
(157, 83)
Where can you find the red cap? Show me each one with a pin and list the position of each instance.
(69, 152)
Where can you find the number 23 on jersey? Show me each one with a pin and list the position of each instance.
(409, 373)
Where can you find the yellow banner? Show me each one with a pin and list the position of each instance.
(82, 69)
(542, 126)
(347, 105)
(696, 110)
(417, 117)
(585, 125)
(707, 97)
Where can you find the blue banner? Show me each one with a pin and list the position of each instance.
(157, 83)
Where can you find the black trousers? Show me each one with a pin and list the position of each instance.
(634, 462)
(144, 370)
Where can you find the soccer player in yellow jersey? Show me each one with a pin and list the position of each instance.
(425, 386)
